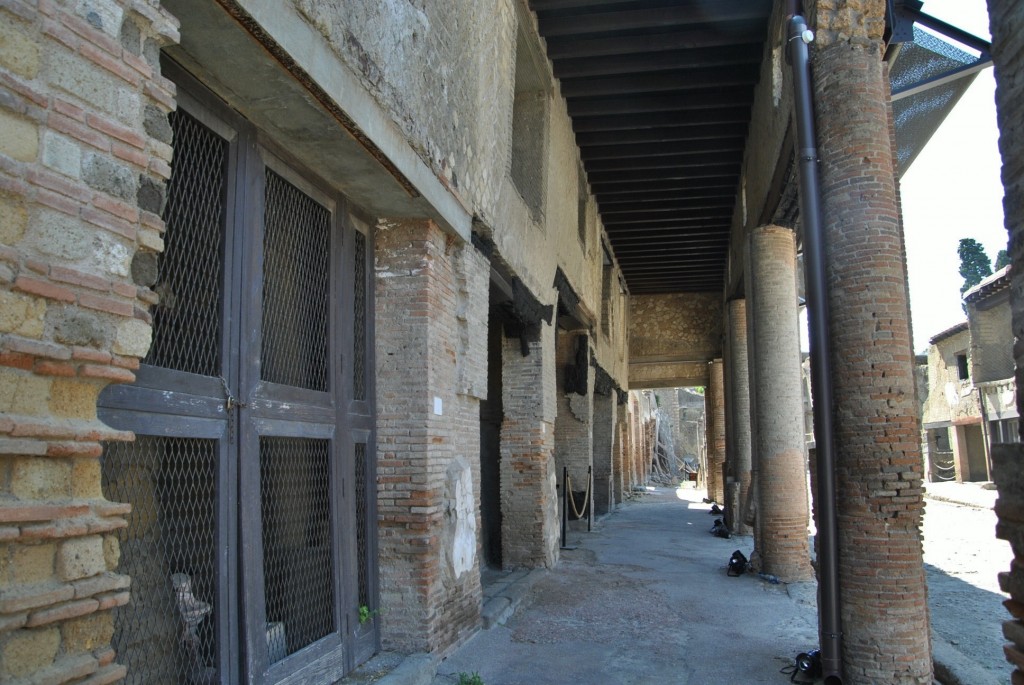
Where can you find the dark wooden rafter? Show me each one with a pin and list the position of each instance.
(660, 92)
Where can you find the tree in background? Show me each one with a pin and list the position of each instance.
(974, 263)
(1002, 259)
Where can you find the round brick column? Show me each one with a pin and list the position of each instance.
(738, 439)
(714, 406)
(782, 487)
(877, 443)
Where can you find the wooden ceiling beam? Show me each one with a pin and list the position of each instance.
(727, 55)
(680, 15)
(662, 149)
(664, 134)
(653, 82)
(573, 47)
(706, 98)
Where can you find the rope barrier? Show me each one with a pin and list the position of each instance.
(572, 500)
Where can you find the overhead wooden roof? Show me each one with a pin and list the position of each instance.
(660, 94)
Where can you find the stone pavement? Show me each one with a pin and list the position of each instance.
(980, 495)
(643, 599)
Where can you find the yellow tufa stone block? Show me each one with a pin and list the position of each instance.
(81, 558)
(21, 314)
(88, 633)
(19, 52)
(27, 651)
(13, 219)
(22, 392)
(133, 338)
(31, 564)
(86, 479)
(19, 137)
(41, 478)
(111, 552)
(74, 398)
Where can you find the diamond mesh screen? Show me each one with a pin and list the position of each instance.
(186, 322)
(166, 633)
(361, 521)
(359, 324)
(918, 116)
(295, 487)
(296, 253)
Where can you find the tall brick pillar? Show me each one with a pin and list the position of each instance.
(604, 427)
(575, 417)
(714, 404)
(431, 296)
(738, 438)
(530, 525)
(1005, 19)
(781, 457)
(877, 443)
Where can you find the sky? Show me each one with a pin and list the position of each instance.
(953, 191)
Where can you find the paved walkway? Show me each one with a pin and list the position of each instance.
(645, 599)
(979, 495)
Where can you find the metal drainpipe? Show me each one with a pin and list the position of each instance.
(829, 620)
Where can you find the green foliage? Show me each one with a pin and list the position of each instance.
(974, 263)
(467, 679)
(365, 613)
(1002, 259)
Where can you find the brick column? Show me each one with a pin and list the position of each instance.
(1005, 19)
(738, 439)
(530, 525)
(878, 453)
(430, 296)
(604, 426)
(775, 352)
(84, 155)
(715, 408)
(574, 418)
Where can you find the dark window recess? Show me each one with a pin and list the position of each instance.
(296, 254)
(186, 321)
(166, 632)
(963, 371)
(359, 320)
(295, 494)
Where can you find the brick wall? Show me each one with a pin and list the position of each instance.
(530, 526)
(1006, 20)
(83, 158)
(431, 360)
(879, 467)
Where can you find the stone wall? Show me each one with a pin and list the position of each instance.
(447, 75)
(949, 398)
(991, 335)
(83, 159)
(672, 337)
(1006, 20)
